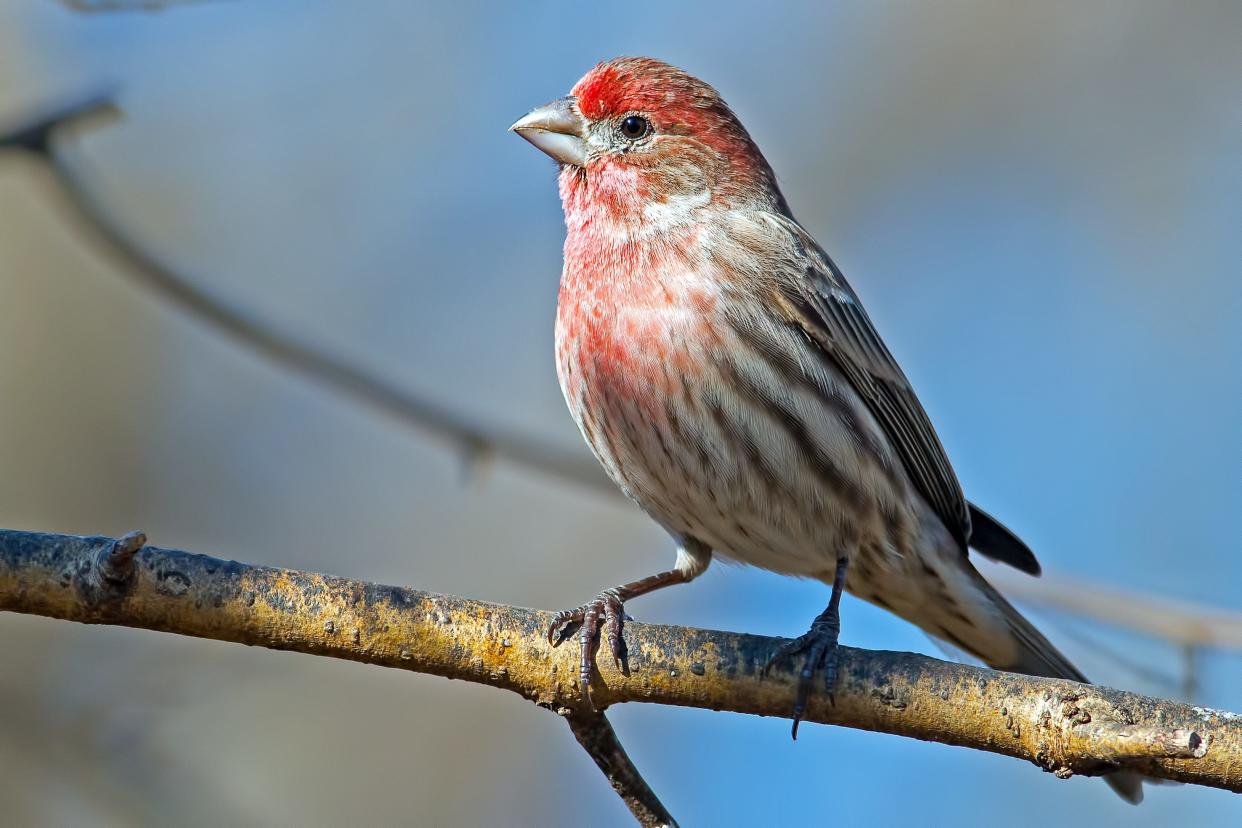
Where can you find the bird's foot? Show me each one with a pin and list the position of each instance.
(820, 646)
(607, 607)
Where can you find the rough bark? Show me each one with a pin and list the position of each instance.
(1061, 726)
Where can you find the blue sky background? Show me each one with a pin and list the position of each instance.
(1038, 203)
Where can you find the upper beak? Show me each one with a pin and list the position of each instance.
(558, 129)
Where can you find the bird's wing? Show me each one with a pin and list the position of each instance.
(815, 296)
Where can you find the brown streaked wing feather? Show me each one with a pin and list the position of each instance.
(817, 298)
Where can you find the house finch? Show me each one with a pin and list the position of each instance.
(729, 381)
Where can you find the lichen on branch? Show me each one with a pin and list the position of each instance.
(1062, 726)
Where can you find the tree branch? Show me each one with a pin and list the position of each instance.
(594, 732)
(1061, 726)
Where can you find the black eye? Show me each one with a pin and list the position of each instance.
(635, 127)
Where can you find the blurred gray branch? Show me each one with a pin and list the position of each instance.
(90, 6)
(84, 211)
(1174, 621)
(1064, 727)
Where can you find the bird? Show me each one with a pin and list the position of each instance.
(728, 379)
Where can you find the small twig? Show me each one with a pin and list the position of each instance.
(594, 732)
(119, 563)
(1127, 743)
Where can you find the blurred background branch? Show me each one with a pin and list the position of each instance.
(1063, 727)
(1178, 622)
(83, 210)
(90, 6)
(1188, 627)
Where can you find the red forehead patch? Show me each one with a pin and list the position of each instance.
(599, 92)
(626, 84)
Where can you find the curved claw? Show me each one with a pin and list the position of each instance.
(608, 607)
(820, 646)
(563, 618)
(614, 620)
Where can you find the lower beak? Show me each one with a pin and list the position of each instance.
(558, 129)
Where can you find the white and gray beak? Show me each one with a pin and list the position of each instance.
(558, 129)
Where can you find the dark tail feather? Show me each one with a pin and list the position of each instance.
(992, 540)
(1039, 658)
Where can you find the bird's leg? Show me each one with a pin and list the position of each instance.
(692, 559)
(820, 645)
